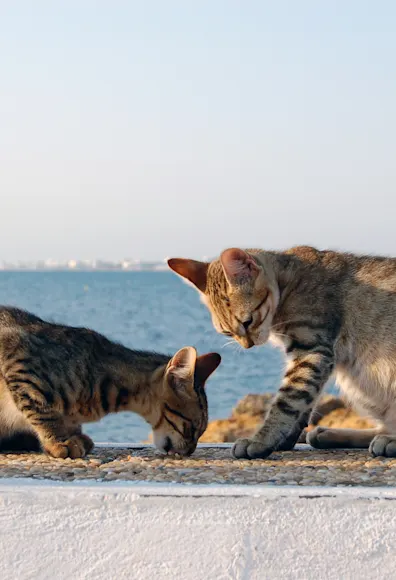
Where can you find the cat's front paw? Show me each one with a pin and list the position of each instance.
(75, 447)
(251, 449)
(383, 446)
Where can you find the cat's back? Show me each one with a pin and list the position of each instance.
(26, 331)
(354, 269)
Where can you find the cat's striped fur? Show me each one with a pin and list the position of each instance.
(332, 313)
(54, 378)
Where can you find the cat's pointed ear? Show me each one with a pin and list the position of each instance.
(192, 270)
(239, 267)
(181, 367)
(205, 365)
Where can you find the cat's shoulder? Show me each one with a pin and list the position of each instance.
(11, 316)
(323, 257)
(308, 253)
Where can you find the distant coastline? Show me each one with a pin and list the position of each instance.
(72, 265)
(84, 266)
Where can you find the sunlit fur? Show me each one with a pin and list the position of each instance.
(332, 313)
(54, 378)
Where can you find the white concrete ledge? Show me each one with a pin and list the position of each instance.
(122, 530)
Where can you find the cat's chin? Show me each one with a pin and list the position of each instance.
(253, 342)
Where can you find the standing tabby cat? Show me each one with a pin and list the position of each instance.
(332, 313)
(53, 378)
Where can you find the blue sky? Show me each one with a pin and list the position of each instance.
(150, 129)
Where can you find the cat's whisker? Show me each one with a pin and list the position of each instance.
(228, 343)
(283, 322)
(234, 345)
(281, 334)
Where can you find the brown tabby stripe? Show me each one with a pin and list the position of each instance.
(26, 402)
(203, 405)
(298, 382)
(158, 423)
(297, 345)
(90, 383)
(72, 383)
(40, 377)
(122, 397)
(178, 413)
(45, 419)
(104, 392)
(17, 383)
(62, 392)
(326, 350)
(287, 409)
(173, 425)
(304, 364)
(261, 303)
(297, 394)
(295, 390)
(25, 362)
(315, 347)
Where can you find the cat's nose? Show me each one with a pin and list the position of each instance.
(246, 342)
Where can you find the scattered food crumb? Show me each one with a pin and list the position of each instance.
(302, 466)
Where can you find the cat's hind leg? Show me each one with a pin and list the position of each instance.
(328, 438)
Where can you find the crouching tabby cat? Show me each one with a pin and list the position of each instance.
(331, 313)
(54, 378)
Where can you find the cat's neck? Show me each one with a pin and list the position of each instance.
(134, 381)
(280, 271)
(283, 272)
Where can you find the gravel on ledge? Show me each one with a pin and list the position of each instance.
(208, 465)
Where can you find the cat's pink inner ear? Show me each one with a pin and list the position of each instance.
(182, 364)
(194, 271)
(238, 266)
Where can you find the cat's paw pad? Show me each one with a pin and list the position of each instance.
(383, 446)
(74, 447)
(250, 449)
(317, 438)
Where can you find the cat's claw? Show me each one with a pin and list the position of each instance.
(383, 446)
(251, 449)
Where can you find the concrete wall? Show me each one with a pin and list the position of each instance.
(73, 531)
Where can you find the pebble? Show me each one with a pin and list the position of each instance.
(208, 465)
